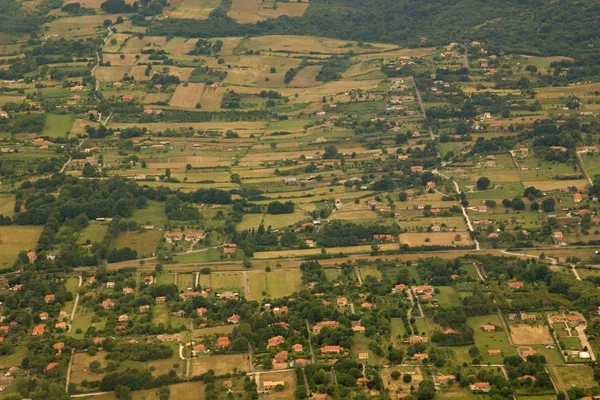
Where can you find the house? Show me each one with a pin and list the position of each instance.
(280, 310)
(358, 329)
(280, 358)
(528, 317)
(366, 305)
(107, 304)
(31, 255)
(430, 185)
(436, 228)
(193, 236)
(38, 330)
(172, 237)
(331, 349)
(160, 299)
(49, 298)
(51, 365)
(488, 328)
(117, 84)
(127, 97)
(577, 198)
(416, 339)
(398, 288)
(325, 324)
(409, 193)
(515, 285)
(61, 325)
(123, 318)
(270, 385)
(110, 285)
(493, 235)
(362, 381)
(3, 115)
(527, 353)
(43, 316)
(441, 379)
(494, 352)
(274, 341)
(569, 319)
(58, 346)
(223, 341)
(480, 387)
(363, 356)
(128, 290)
(416, 168)
(143, 309)
(424, 289)
(449, 331)
(420, 356)
(558, 236)
(228, 383)
(234, 319)
(297, 348)
(342, 302)
(530, 377)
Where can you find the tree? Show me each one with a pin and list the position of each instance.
(123, 392)
(407, 378)
(330, 151)
(548, 204)
(188, 167)
(483, 183)
(395, 375)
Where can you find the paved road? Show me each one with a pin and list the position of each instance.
(584, 341)
(90, 394)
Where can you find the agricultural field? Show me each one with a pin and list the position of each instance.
(13, 239)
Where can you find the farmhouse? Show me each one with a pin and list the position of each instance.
(331, 349)
(528, 317)
(38, 330)
(571, 319)
(223, 341)
(329, 324)
(398, 288)
(480, 387)
(441, 379)
(416, 339)
(515, 285)
(488, 328)
(527, 353)
(420, 356)
(234, 319)
(172, 237)
(274, 341)
(494, 352)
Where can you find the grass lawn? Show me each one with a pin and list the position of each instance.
(421, 327)
(145, 243)
(397, 330)
(199, 257)
(83, 320)
(7, 204)
(13, 360)
(183, 391)
(223, 280)
(491, 340)
(221, 364)
(571, 343)
(165, 279)
(15, 238)
(94, 233)
(372, 271)
(448, 296)
(283, 283)
(58, 125)
(154, 214)
(80, 370)
(185, 281)
(573, 375)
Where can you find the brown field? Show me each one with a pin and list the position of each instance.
(138, 72)
(554, 185)
(288, 377)
(95, 3)
(436, 238)
(136, 45)
(156, 97)
(7, 204)
(77, 26)
(221, 364)
(113, 48)
(210, 99)
(179, 45)
(116, 61)
(252, 11)
(526, 334)
(306, 77)
(110, 74)
(192, 9)
(80, 124)
(306, 44)
(187, 96)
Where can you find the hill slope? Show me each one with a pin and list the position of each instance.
(527, 26)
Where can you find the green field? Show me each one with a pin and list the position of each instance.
(58, 125)
(145, 243)
(94, 233)
(491, 340)
(15, 238)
